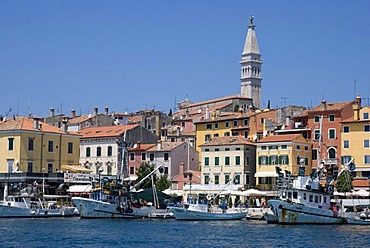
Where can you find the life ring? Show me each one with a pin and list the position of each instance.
(209, 197)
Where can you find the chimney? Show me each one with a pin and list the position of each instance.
(36, 123)
(178, 131)
(213, 116)
(158, 126)
(95, 111)
(52, 112)
(73, 113)
(187, 113)
(287, 121)
(356, 108)
(182, 165)
(64, 125)
(159, 145)
(106, 110)
(323, 105)
(138, 145)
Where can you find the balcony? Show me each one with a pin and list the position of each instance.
(330, 161)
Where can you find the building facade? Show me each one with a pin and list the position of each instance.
(29, 145)
(228, 158)
(102, 147)
(355, 138)
(287, 152)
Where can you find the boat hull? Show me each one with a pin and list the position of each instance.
(357, 221)
(290, 213)
(89, 208)
(18, 212)
(185, 214)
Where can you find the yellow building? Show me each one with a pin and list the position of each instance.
(287, 152)
(356, 139)
(250, 125)
(29, 145)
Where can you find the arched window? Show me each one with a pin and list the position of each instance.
(98, 151)
(332, 153)
(88, 151)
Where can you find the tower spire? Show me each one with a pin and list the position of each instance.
(251, 63)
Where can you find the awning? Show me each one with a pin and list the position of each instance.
(266, 174)
(74, 168)
(130, 178)
(86, 188)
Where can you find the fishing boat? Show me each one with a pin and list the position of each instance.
(25, 205)
(113, 199)
(199, 208)
(306, 202)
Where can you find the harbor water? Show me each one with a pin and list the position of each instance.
(75, 232)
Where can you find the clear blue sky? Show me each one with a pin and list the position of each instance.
(134, 55)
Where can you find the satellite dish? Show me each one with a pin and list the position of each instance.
(199, 111)
(255, 137)
(264, 133)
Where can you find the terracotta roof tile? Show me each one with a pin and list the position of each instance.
(278, 138)
(166, 146)
(332, 106)
(143, 147)
(25, 123)
(227, 140)
(106, 131)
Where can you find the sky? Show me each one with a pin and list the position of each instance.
(136, 55)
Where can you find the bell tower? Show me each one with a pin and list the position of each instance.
(251, 64)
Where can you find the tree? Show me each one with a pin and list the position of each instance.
(170, 113)
(268, 104)
(143, 171)
(163, 183)
(344, 182)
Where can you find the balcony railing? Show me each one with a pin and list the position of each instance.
(332, 161)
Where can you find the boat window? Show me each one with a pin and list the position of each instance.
(304, 196)
(319, 198)
(289, 195)
(295, 195)
(310, 198)
(324, 199)
(316, 199)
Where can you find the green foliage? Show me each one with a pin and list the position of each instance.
(163, 183)
(143, 171)
(344, 182)
(170, 113)
(268, 104)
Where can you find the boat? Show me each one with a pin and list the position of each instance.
(32, 206)
(305, 200)
(113, 199)
(199, 208)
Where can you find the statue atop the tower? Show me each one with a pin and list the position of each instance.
(251, 18)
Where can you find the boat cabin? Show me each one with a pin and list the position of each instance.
(307, 191)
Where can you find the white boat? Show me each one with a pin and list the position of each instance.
(198, 208)
(25, 205)
(90, 208)
(112, 199)
(306, 202)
